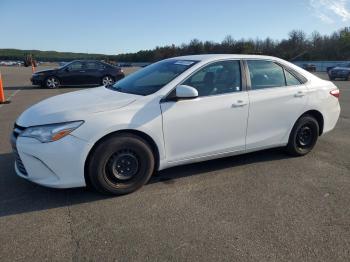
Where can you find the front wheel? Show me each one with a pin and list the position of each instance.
(304, 136)
(120, 164)
(52, 82)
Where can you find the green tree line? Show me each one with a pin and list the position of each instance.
(298, 46)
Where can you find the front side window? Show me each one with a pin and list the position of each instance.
(217, 78)
(153, 77)
(75, 66)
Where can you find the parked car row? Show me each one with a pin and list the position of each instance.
(77, 73)
(11, 63)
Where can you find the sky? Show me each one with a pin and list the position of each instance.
(116, 26)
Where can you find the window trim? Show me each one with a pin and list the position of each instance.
(169, 96)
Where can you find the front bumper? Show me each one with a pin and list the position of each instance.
(58, 164)
(37, 80)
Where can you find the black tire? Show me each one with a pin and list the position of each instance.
(120, 164)
(331, 78)
(52, 82)
(304, 136)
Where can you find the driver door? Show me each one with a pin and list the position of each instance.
(73, 74)
(213, 123)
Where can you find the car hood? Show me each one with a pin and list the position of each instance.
(74, 106)
(46, 71)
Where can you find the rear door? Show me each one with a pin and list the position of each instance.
(94, 72)
(277, 99)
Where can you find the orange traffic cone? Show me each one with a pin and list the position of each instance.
(2, 94)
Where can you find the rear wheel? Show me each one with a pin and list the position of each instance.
(107, 81)
(120, 164)
(304, 136)
(52, 82)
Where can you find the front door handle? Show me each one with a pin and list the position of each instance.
(300, 94)
(239, 103)
(82, 71)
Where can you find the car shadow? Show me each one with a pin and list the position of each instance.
(19, 196)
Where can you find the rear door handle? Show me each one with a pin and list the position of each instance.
(239, 103)
(300, 94)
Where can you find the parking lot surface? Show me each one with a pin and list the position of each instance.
(263, 206)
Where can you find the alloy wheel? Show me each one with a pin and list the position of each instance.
(52, 82)
(107, 81)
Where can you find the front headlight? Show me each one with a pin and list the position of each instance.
(52, 132)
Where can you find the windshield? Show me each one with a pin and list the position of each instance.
(153, 77)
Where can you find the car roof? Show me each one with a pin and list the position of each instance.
(210, 57)
(87, 60)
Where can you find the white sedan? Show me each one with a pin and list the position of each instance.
(173, 112)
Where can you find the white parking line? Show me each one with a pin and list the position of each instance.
(11, 96)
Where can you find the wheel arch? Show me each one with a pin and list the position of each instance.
(137, 133)
(107, 74)
(318, 116)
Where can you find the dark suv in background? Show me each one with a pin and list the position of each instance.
(78, 72)
(340, 71)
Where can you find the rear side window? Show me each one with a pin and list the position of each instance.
(291, 80)
(265, 74)
(94, 65)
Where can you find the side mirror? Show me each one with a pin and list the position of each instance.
(66, 69)
(186, 92)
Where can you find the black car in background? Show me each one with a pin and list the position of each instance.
(309, 67)
(78, 72)
(339, 65)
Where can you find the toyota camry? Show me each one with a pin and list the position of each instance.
(177, 111)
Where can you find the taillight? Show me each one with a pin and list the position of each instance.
(335, 93)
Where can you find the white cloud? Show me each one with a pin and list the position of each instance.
(325, 18)
(330, 10)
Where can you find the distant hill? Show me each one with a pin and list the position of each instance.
(298, 46)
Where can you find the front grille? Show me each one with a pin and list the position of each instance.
(16, 132)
